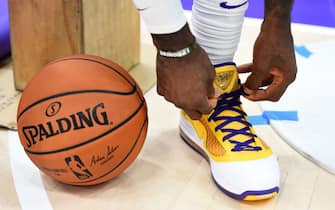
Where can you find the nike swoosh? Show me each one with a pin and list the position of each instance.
(226, 6)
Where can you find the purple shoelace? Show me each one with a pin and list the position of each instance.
(230, 101)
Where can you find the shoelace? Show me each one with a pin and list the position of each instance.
(230, 101)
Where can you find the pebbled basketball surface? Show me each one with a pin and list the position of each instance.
(91, 113)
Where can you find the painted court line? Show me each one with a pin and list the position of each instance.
(26, 176)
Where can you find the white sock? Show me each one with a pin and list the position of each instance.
(161, 16)
(218, 28)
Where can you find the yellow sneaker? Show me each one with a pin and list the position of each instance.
(242, 165)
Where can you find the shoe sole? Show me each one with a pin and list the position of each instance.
(251, 195)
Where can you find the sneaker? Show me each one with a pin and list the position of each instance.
(241, 164)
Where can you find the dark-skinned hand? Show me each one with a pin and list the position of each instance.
(187, 82)
(273, 65)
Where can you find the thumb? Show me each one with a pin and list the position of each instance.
(212, 101)
(244, 68)
(254, 81)
(210, 89)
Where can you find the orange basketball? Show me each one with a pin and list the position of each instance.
(82, 120)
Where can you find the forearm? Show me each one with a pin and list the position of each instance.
(173, 41)
(278, 13)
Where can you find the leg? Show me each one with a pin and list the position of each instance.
(217, 27)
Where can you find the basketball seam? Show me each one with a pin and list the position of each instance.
(92, 139)
(73, 93)
(104, 64)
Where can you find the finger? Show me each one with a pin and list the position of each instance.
(268, 81)
(194, 115)
(210, 89)
(217, 94)
(251, 85)
(206, 105)
(209, 84)
(159, 90)
(244, 68)
(212, 103)
(273, 92)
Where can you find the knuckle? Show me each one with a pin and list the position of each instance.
(181, 104)
(293, 77)
(159, 91)
(168, 99)
(179, 107)
(274, 99)
(194, 115)
(206, 111)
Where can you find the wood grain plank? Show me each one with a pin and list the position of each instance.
(112, 30)
(42, 31)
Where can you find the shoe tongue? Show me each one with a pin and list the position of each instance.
(226, 79)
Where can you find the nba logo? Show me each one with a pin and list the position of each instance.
(78, 168)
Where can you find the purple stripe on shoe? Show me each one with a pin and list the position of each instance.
(230, 194)
(247, 193)
(193, 148)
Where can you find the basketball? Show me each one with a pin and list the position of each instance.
(82, 120)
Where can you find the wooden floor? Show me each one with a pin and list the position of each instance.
(170, 176)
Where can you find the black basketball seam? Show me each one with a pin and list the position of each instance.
(104, 64)
(73, 93)
(92, 139)
(124, 159)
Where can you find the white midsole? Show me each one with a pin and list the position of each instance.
(264, 173)
(188, 129)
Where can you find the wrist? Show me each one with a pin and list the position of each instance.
(179, 53)
(277, 13)
(174, 41)
(275, 26)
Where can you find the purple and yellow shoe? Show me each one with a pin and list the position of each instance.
(242, 165)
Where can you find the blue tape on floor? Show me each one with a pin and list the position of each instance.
(267, 116)
(258, 120)
(303, 51)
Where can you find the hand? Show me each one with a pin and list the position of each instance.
(273, 64)
(187, 82)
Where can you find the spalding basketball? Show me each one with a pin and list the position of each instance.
(82, 120)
